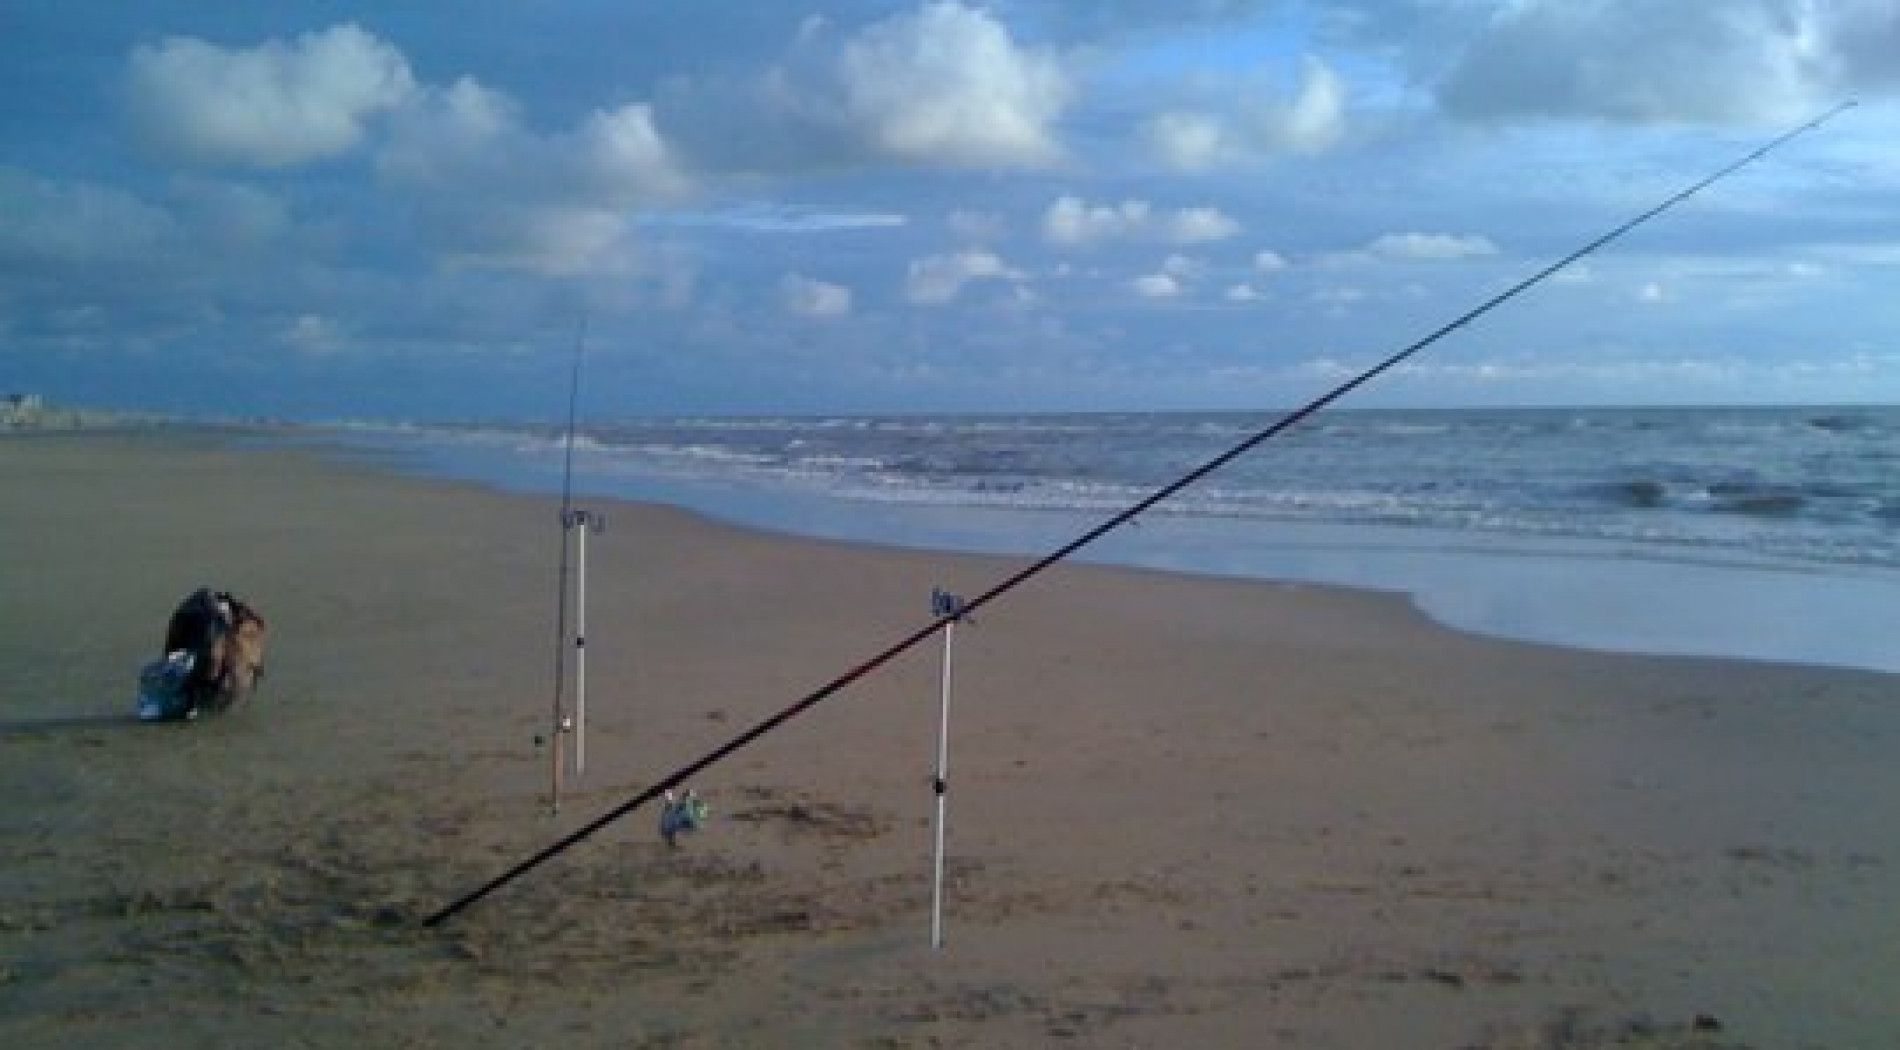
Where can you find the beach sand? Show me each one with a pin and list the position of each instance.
(1183, 812)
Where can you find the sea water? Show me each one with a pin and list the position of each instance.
(1764, 533)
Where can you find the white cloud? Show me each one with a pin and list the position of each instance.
(470, 137)
(1182, 267)
(1196, 225)
(765, 217)
(621, 156)
(1314, 119)
(1243, 293)
(1071, 220)
(947, 83)
(1266, 260)
(494, 192)
(43, 222)
(814, 298)
(1156, 286)
(1309, 121)
(940, 278)
(446, 131)
(488, 189)
(312, 334)
(1431, 246)
(1188, 141)
(1652, 293)
(271, 106)
(943, 84)
(1641, 62)
(1740, 269)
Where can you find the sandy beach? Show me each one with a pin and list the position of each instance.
(1184, 811)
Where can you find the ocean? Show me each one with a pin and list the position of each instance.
(1761, 533)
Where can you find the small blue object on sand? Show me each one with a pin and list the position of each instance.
(686, 813)
(162, 693)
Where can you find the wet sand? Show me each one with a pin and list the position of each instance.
(1184, 812)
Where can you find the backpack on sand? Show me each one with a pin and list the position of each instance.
(214, 656)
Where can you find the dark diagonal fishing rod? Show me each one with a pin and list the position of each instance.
(1292, 419)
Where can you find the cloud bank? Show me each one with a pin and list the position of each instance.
(274, 105)
(894, 202)
(814, 298)
(948, 84)
(1073, 221)
(1309, 121)
(1638, 62)
(938, 279)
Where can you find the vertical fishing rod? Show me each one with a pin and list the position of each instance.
(1293, 418)
(559, 723)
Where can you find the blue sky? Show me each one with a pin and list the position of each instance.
(319, 209)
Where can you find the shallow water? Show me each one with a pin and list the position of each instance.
(1767, 534)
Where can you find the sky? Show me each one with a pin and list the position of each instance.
(312, 209)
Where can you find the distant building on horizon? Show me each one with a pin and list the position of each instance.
(21, 410)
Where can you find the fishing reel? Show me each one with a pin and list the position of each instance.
(567, 726)
(574, 518)
(947, 606)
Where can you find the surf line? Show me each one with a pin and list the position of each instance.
(1294, 418)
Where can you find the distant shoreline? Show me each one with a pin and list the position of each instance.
(92, 414)
(30, 413)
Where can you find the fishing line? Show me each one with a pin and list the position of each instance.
(1292, 419)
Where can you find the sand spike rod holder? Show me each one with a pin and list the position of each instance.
(949, 610)
(575, 525)
(1115, 521)
(582, 522)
